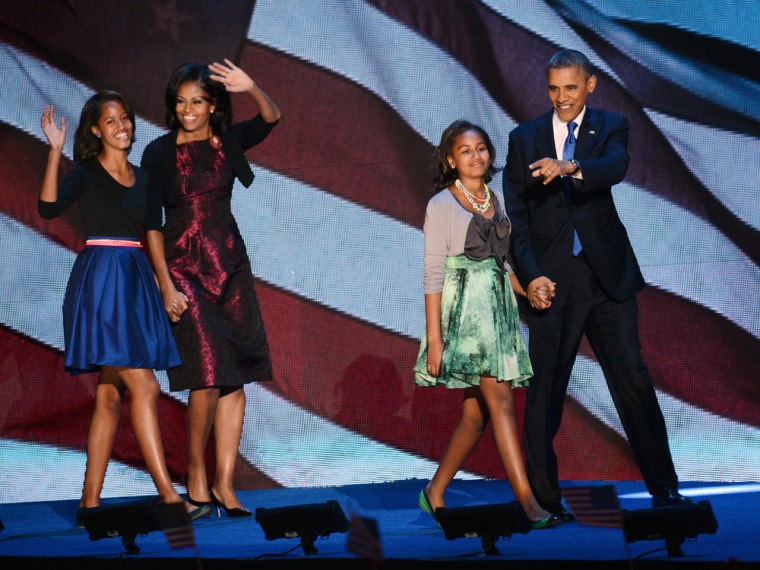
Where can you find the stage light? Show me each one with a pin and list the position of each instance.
(674, 524)
(489, 522)
(305, 521)
(128, 520)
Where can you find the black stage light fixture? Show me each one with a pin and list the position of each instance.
(128, 520)
(674, 524)
(489, 522)
(307, 522)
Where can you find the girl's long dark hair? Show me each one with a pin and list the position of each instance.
(221, 118)
(446, 175)
(86, 145)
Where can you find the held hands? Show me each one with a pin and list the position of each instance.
(234, 79)
(55, 136)
(550, 168)
(541, 292)
(175, 303)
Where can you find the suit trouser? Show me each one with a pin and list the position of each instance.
(613, 333)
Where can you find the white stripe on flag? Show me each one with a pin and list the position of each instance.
(711, 155)
(384, 57)
(733, 447)
(300, 449)
(687, 258)
(739, 28)
(30, 479)
(22, 104)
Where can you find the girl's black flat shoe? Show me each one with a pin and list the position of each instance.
(80, 512)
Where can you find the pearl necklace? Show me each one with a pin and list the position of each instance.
(479, 204)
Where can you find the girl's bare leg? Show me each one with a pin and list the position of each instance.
(144, 391)
(467, 433)
(500, 402)
(100, 437)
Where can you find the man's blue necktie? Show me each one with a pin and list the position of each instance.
(568, 152)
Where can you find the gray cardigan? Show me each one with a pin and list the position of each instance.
(452, 230)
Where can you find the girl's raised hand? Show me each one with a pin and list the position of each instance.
(55, 136)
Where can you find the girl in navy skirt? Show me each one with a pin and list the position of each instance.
(114, 318)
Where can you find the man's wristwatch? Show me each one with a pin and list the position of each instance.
(577, 166)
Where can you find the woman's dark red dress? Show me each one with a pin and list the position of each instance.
(221, 337)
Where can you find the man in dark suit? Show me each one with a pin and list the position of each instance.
(575, 261)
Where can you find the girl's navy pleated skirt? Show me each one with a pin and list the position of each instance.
(113, 314)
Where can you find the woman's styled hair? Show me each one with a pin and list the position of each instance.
(86, 145)
(221, 118)
(446, 175)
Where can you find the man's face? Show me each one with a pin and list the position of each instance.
(568, 91)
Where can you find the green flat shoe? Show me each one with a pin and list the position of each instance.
(201, 511)
(548, 522)
(424, 503)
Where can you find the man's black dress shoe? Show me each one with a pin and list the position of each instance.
(560, 510)
(669, 498)
(565, 515)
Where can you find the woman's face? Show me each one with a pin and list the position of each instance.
(114, 127)
(193, 109)
(469, 155)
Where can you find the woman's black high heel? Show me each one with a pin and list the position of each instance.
(236, 512)
(195, 503)
(198, 503)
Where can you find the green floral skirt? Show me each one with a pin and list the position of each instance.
(480, 328)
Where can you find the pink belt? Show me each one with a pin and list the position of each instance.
(114, 242)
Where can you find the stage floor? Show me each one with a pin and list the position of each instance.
(41, 534)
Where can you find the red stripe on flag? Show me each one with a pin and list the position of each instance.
(23, 165)
(138, 66)
(700, 357)
(365, 153)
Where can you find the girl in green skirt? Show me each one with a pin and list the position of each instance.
(472, 340)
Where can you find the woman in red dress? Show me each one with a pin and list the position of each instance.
(218, 325)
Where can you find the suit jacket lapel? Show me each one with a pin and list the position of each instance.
(587, 133)
(544, 138)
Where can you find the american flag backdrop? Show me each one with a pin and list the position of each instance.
(333, 221)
